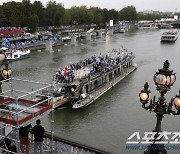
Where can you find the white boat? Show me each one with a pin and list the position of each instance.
(84, 82)
(13, 54)
(66, 38)
(170, 36)
(165, 26)
(147, 25)
(83, 35)
(122, 30)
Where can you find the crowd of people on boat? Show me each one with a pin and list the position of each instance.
(93, 65)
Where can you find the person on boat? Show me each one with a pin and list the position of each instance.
(38, 132)
(24, 138)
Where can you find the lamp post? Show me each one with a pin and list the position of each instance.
(5, 73)
(163, 79)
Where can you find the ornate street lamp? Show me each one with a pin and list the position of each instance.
(5, 73)
(163, 79)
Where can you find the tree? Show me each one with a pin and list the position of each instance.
(26, 11)
(1, 16)
(81, 15)
(142, 16)
(97, 14)
(128, 13)
(105, 16)
(38, 10)
(113, 14)
(54, 13)
(67, 17)
(10, 14)
(32, 23)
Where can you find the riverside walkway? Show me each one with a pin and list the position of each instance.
(57, 145)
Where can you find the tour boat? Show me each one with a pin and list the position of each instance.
(170, 36)
(85, 81)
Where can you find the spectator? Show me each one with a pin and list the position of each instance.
(38, 131)
(24, 138)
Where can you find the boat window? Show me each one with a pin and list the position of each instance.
(96, 83)
(110, 76)
(87, 88)
(115, 73)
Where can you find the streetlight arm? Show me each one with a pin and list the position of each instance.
(170, 110)
(151, 106)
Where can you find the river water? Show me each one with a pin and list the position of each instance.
(108, 122)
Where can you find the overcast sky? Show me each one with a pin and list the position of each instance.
(156, 5)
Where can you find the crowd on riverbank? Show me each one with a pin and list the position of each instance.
(93, 65)
(17, 38)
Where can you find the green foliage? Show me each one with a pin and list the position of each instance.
(128, 13)
(67, 17)
(33, 15)
(38, 10)
(81, 15)
(113, 14)
(54, 13)
(97, 15)
(142, 16)
(32, 23)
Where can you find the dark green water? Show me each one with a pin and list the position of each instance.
(109, 121)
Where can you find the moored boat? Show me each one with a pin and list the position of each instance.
(122, 30)
(164, 26)
(85, 81)
(147, 25)
(14, 54)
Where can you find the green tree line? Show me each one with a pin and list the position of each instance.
(33, 15)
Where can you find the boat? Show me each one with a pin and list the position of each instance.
(169, 36)
(122, 30)
(176, 24)
(14, 54)
(164, 26)
(85, 81)
(147, 25)
(83, 35)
